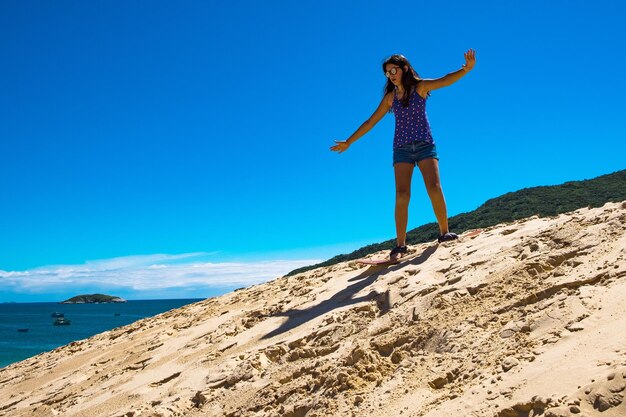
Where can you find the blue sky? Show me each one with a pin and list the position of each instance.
(198, 133)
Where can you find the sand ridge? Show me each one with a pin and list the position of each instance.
(520, 319)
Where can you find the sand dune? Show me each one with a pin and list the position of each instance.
(520, 319)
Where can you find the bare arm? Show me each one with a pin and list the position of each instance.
(428, 85)
(383, 108)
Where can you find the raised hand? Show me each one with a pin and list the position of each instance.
(470, 60)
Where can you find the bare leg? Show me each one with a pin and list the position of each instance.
(430, 172)
(403, 173)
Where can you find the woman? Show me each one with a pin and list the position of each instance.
(405, 94)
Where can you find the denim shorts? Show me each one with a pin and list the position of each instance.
(414, 152)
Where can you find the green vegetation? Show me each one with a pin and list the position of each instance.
(93, 298)
(536, 201)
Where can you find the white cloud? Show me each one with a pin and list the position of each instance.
(149, 273)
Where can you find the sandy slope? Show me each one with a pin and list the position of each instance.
(523, 319)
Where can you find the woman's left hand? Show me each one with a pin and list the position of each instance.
(470, 60)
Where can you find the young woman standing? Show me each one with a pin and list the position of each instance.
(405, 94)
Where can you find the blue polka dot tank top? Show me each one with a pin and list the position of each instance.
(411, 121)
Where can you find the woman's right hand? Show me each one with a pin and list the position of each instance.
(341, 146)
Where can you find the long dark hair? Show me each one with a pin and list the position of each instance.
(409, 80)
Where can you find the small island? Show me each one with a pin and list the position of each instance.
(93, 299)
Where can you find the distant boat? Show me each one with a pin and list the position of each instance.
(22, 330)
(116, 314)
(57, 314)
(61, 321)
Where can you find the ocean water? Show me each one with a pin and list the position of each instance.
(86, 320)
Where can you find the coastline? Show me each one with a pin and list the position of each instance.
(88, 319)
(521, 316)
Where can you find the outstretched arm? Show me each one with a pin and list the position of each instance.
(383, 107)
(428, 85)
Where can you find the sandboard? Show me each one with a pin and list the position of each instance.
(472, 233)
(386, 261)
(381, 262)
